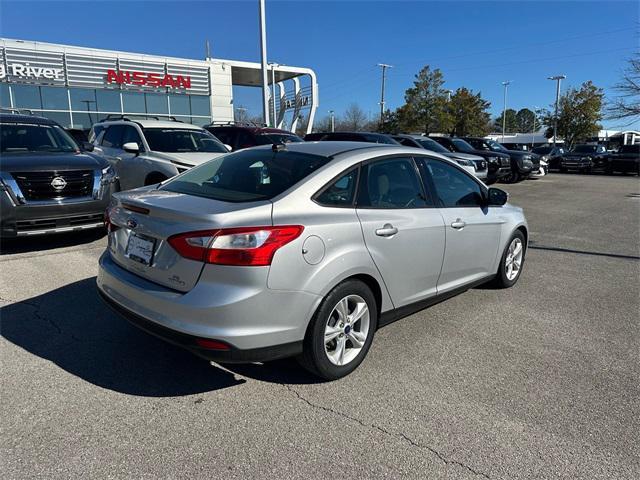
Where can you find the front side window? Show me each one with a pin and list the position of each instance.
(22, 138)
(454, 187)
(113, 137)
(246, 176)
(176, 140)
(391, 183)
(340, 193)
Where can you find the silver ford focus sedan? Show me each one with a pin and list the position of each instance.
(304, 250)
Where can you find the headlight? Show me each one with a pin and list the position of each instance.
(465, 163)
(544, 158)
(492, 159)
(108, 175)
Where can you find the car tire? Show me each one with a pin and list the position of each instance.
(323, 357)
(513, 177)
(506, 277)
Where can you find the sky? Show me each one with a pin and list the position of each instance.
(476, 44)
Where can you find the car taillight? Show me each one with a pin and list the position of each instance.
(245, 246)
(111, 227)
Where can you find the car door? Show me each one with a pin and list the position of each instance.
(403, 231)
(472, 230)
(111, 148)
(133, 169)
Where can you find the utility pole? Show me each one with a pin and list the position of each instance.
(533, 132)
(504, 110)
(207, 49)
(333, 121)
(384, 67)
(242, 113)
(263, 51)
(558, 79)
(273, 90)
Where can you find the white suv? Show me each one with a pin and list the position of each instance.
(145, 152)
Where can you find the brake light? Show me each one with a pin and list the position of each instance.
(244, 246)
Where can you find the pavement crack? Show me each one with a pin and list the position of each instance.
(400, 435)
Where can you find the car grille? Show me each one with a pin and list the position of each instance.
(505, 162)
(40, 185)
(58, 223)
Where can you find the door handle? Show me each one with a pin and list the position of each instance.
(458, 224)
(387, 230)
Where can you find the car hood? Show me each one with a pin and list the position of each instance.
(577, 154)
(487, 153)
(189, 159)
(30, 162)
(464, 156)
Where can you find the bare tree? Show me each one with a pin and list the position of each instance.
(627, 104)
(354, 119)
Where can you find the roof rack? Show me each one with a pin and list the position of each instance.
(132, 118)
(234, 123)
(22, 111)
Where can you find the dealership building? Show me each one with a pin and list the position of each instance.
(78, 86)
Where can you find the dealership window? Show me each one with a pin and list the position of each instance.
(83, 99)
(5, 99)
(133, 102)
(26, 96)
(108, 100)
(179, 104)
(156, 103)
(54, 98)
(63, 118)
(200, 105)
(85, 120)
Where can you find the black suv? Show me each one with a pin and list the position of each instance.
(523, 163)
(626, 160)
(238, 136)
(585, 158)
(48, 183)
(350, 137)
(499, 164)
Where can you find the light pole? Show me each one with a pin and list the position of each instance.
(533, 131)
(449, 92)
(558, 79)
(384, 67)
(504, 110)
(273, 90)
(333, 121)
(263, 51)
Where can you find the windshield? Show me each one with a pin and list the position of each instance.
(585, 149)
(542, 150)
(246, 176)
(271, 138)
(495, 146)
(19, 138)
(174, 140)
(432, 145)
(462, 146)
(630, 149)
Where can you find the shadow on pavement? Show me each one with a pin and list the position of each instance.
(285, 371)
(40, 243)
(72, 328)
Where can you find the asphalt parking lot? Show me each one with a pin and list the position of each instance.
(539, 381)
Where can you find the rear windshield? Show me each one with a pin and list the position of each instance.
(175, 140)
(21, 138)
(432, 145)
(462, 145)
(271, 138)
(246, 176)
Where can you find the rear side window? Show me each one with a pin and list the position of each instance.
(341, 192)
(390, 183)
(95, 132)
(454, 187)
(246, 176)
(113, 137)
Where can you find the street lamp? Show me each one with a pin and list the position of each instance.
(533, 131)
(333, 121)
(558, 79)
(504, 110)
(263, 54)
(384, 67)
(273, 90)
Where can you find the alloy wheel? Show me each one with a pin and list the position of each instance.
(513, 262)
(346, 330)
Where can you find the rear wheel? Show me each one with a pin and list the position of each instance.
(340, 333)
(511, 262)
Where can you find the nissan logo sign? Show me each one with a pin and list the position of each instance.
(58, 183)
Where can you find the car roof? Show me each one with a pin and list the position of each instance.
(332, 148)
(30, 119)
(251, 128)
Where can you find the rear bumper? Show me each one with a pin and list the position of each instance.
(257, 323)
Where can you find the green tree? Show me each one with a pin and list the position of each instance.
(525, 120)
(468, 113)
(511, 124)
(426, 103)
(579, 114)
(627, 104)
(389, 123)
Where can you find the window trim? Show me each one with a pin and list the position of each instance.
(483, 188)
(329, 184)
(426, 195)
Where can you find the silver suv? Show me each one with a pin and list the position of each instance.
(304, 250)
(145, 152)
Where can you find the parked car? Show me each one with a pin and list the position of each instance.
(522, 163)
(498, 164)
(370, 137)
(145, 152)
(550, 154)
(584, 158)
(239, 136)
(266, 254)
(48, 184)
(626, 160)
(472, 163)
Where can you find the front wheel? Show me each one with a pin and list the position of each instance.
(513, 177)
(511, 262)
(340, 333)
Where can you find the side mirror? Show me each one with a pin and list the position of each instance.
(496, 197)
(228, 147)
(131, 147)
(87, 146)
